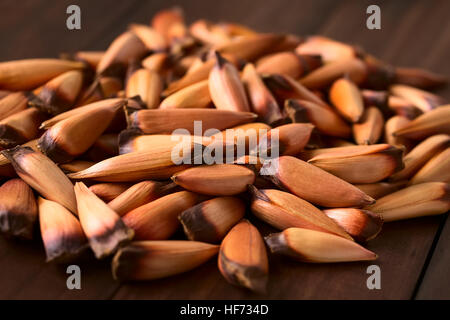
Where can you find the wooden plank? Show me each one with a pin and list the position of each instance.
(39, 29)
(436, 282)
(402, 246)
(25, 275)
(23, 271)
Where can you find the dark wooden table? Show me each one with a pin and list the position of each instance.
(414, 256)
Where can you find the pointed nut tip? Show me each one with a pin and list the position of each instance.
(72, 175)
(370, 200)
(220, 61)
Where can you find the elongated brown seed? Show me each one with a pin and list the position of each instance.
(154, 164)
(5, 164)
(156, 62)
(18, 209)
(20, 127)
(330, 50)
(153, 40)
(236, 30)
(148, 260)
(126, 47)
(75, 166)
(132, 141)
(285, 87)
(208, 33)
(248, 134)
(209, 221)
(108, 191)
(147, 84)
(102, 88)
(63, 238)
(315, 246)
(73, 136)
(393, 125)
(225, 87)
(167, 120)
(4, 93)
(436, 169)
(354, 68)
(370, 128)
(342, 151)
(418, 156)
(193, 96)
(292, 138)
(59, 94)
(113, 103)
(418, 200)
(284, 210)
(325, 120)
(13, 103)
(434, 122)
(190, 64)
(262, 101)
(346, 97)
(361, 164)
(191, 77)
(158, 219)
(288, 43)
(380, 189)
(92, 58)
(250, 47)
(243, 258)
(43, 175)
(310, 182)
(403, 108)
(31, 73)
(140, 194)
(419, 78)
(362, 225)
(288, 63)
(169, 23)
(218, 179)
(104, 229)
(423, 100)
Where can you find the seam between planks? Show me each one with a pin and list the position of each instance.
(429, 256)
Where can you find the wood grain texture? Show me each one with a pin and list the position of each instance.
(25, 275)
(414, 33)
(436, 282)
